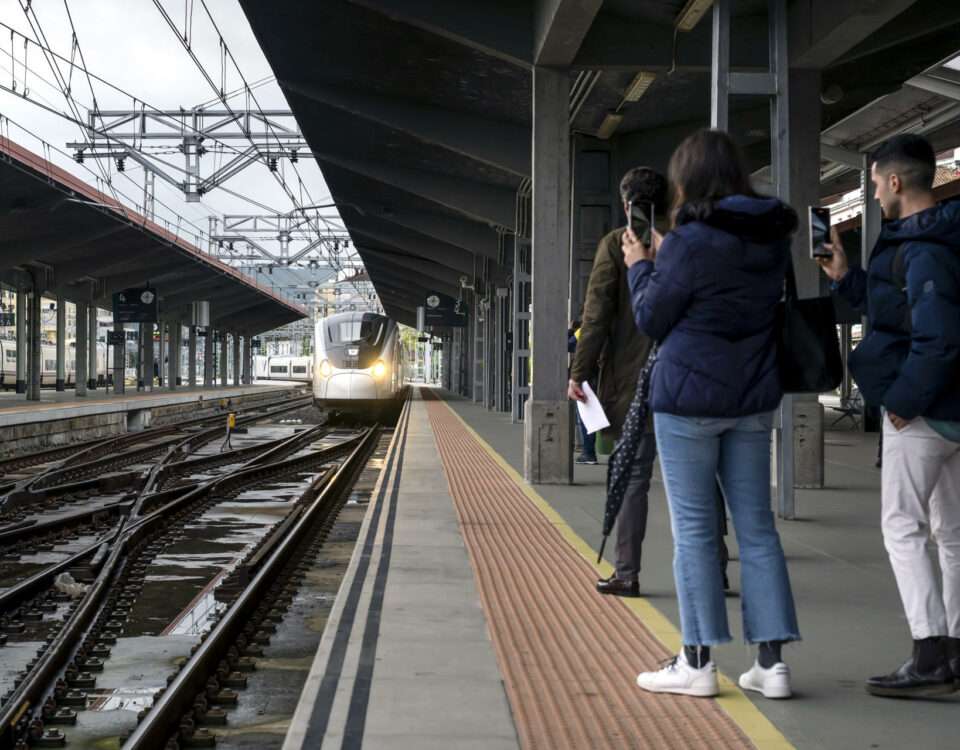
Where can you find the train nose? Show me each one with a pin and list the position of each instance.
(352, 385)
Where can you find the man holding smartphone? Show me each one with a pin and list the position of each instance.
(611, 347)
(909, 363)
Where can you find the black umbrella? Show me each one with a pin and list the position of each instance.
(622, 459)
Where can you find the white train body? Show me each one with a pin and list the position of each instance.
(283, 367)
(358, 361)
(48, 364)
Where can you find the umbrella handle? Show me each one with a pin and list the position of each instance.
(603, 543)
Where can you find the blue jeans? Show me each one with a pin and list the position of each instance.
(587, 439)
(695, 451)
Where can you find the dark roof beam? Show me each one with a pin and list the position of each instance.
(477, 200)
(500, 28)
(559, 28)
(75, 237)
(408, 276)
(499, 144)
(421, 266)
(417, 245)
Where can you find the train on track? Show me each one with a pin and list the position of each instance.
(283, 367)
(48, 363)
(358, 363)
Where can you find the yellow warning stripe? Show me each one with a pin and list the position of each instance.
(757, 727)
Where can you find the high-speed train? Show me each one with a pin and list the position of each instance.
(283, 367)
(48, 363)
(358, 363)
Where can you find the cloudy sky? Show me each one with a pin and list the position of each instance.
(128, 43)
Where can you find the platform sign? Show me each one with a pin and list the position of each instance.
(138, 305)
(116, 338)
(442, 310)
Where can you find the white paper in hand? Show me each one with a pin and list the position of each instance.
(591, 413)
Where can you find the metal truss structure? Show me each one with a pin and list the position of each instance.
(268, 136)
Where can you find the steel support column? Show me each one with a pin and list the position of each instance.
(148, 359)
(163, 355)
(119, 360)
(209, 357)
(236, 358)
(192, 357)
(22, 348)
(33, 389)
(61, 383)
(248, 361)
(547, 451)
(80, 350)
(173, 354)
(93, 366)
(223, 359)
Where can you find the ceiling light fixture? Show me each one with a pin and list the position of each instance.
(638, 86)
(691, 14)
(609, 125)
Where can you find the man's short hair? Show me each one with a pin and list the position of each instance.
(645, 184)
(910, 157)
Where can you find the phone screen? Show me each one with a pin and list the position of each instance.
(641, 220)
(819, 232)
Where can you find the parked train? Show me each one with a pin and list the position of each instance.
(48, 364)
(283, 367)
(358, 363)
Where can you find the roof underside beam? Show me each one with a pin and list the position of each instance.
(559, 28)
(426, 268)
(502, 145)
(415, 244)
(480, 201)
(409, 276)
(500, 28)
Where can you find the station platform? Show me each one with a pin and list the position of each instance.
(468, 616)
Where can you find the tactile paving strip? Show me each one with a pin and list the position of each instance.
(569, 656)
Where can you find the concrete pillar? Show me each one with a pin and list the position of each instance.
(192, 357)
(208, 358)
(247, 361)
(236, 358)
(22, 348)
(548, 450)
(33, 381)
(119, 360)
(804, 123)
(61, 383)
(80, 351)
(92, 364)
(173, 354)
(223, 359)
(148, 359)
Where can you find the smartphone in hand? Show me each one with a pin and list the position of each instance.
(819, 224)
(640, 215)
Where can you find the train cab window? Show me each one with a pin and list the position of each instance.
(300, 369)
(368, 329)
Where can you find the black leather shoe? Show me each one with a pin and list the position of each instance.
(618, 587)
(911, 682)
(953, 652)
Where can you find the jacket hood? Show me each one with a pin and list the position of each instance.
(939, 224)
(752, 219)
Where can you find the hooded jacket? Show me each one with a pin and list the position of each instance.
(909, 362)
(710, 301)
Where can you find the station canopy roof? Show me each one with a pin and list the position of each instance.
(419, 113)
(83, 244)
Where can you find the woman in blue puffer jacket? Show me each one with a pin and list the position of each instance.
(707, 293)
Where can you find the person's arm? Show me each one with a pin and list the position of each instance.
(661, 290)
(849, 283)
(599, 311)
(931, 366)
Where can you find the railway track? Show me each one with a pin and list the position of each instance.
(142, 533)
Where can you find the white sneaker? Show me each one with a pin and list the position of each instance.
(679, 677)
(773, 682)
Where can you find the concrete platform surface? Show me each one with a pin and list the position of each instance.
(55, 405)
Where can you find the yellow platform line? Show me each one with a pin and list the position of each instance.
(751, 721)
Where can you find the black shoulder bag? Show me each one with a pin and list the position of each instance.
(808, 349)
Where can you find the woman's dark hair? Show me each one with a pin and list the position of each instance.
(706, 167)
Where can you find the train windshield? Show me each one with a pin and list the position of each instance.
(354, 342)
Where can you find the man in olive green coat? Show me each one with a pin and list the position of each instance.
(612, 352)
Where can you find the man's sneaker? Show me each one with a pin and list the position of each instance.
(588, 460)
(681, 678)
(773, 682)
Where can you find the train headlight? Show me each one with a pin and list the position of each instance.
(325, 369)
(379, 369)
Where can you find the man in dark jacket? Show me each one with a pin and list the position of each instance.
(611, 347)
(909, 363)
